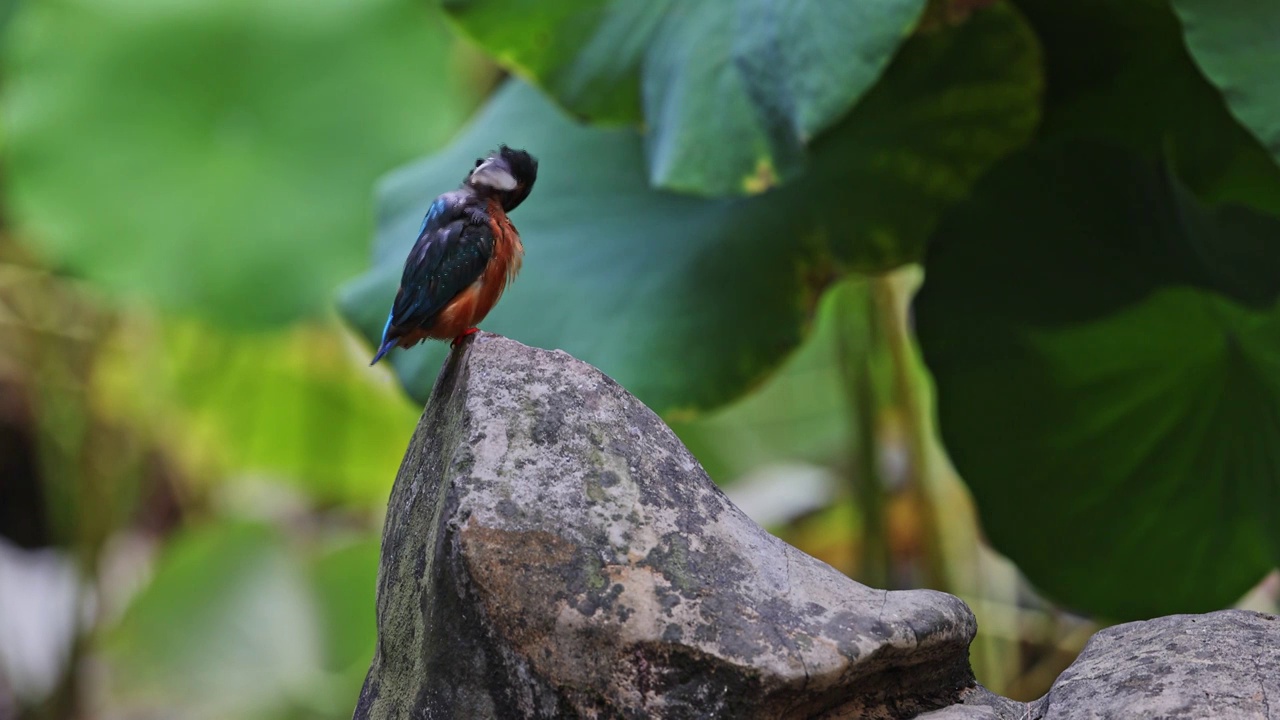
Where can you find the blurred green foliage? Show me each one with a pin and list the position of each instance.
(288, 404)
(734, 204)
(215, 157)
(240, 620)
(191, 426)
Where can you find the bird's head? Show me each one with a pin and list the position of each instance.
(506, 174)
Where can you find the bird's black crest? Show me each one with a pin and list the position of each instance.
(522, 166)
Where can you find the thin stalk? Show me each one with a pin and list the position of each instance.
(853, 350)
(892, 325)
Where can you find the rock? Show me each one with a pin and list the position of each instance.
(1219, 665)
(1224, 664)
(978, 703)
(551, 550)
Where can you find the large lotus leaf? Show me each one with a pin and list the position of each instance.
(731, 93)
(687, 301)
(1237, 44)
(1134, 83)
(1107, 359)
(215, 156)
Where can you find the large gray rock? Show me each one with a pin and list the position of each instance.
(1220, 665)
(551, 550)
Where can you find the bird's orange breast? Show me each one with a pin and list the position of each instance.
(508, 251)
(469, 307)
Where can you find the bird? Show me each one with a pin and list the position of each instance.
(466, 254)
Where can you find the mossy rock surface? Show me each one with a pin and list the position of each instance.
(552, 550)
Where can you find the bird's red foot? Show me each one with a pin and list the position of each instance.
(468, 331)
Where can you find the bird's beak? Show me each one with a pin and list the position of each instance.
(491, 173)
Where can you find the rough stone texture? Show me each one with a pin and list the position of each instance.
(551, 550)
(1220, 665)
(979, 703)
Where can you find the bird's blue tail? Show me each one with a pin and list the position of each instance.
(386, 347)
(386, 344)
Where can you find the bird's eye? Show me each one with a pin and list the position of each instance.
(478, 161)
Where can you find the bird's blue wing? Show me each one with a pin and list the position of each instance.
(437, 209)
(451, 253)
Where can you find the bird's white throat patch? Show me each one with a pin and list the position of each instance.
(491, 175)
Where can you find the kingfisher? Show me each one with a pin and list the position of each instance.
(466, 253)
